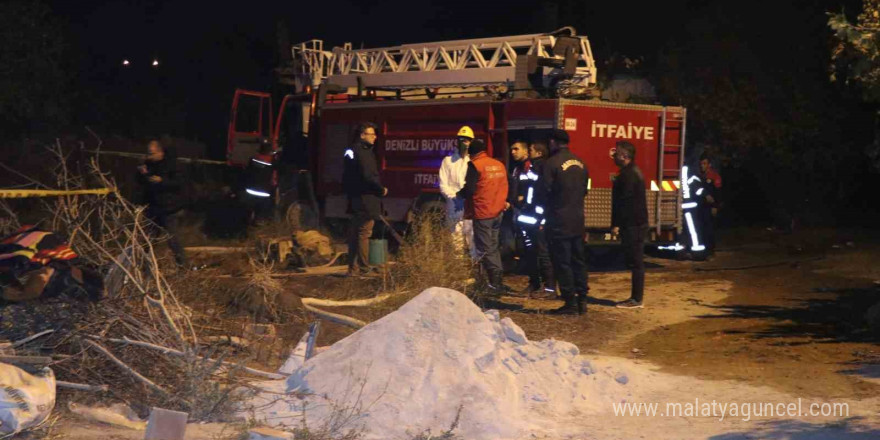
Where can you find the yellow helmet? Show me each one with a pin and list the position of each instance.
(466, 132)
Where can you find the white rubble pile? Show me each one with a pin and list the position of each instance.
(411, 371)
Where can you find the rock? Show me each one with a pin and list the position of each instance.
(621, 378)
(493, 315)
(587, 368)
(513, 331)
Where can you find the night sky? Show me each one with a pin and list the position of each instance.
(207, 49)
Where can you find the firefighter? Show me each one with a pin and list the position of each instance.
(158, 177)
(564, 181)
(531, 222)
(360, 181)
(261, 179)
(708, 199)
(629, 218)
(452, 174)
(485, 195)
(512, 239)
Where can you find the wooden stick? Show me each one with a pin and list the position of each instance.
(333, 317)
(82, 387)
(394, 233)
(171, 351)
(125, 367)
(31, 338)
(26, 360)
(215, 249)
(352, 303)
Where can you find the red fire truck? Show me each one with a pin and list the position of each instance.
(419, 95)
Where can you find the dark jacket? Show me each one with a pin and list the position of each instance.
(514, 188)
(360, 180)
(628, 204)
(710, 185)
(161, 198)
(564, 181)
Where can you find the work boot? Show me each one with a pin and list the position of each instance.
(570, 307)
(630, 304)
(496, 285)
(530, 290)
(582, 304)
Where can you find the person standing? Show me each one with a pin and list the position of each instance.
(531, 221)
(709, 199)
(360, 181)
(262, 180)
(564, 178)
(452, 174)
(629, 219)
(485, 195)
(160, 185)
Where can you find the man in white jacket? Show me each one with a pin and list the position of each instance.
(452, 174)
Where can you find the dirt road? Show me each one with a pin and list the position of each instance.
(771, 316)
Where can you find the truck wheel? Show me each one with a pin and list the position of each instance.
(301, 217)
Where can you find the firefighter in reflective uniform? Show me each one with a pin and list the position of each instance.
(530, 221)
(261, 181)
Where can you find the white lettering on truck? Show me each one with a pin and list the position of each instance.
(427, 179)
(420, 144)
(627, 131)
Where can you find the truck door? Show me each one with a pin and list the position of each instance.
(292, 131)
(250, 125)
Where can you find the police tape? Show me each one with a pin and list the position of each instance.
(24, 193)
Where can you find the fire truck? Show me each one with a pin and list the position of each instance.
(419, 95)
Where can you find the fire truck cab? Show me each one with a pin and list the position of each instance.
(419, 95)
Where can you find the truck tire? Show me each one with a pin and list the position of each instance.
(301, 217)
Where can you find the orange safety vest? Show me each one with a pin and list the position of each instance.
(491, 193)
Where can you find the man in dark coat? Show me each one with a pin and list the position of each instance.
(360, 181)
(158, 178)
(708, 194)
(564, 178)
(629, 218)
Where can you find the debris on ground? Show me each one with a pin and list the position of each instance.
(165, 424)
(26, 400)
(36, 263)
(118, 414)
(269, 434)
